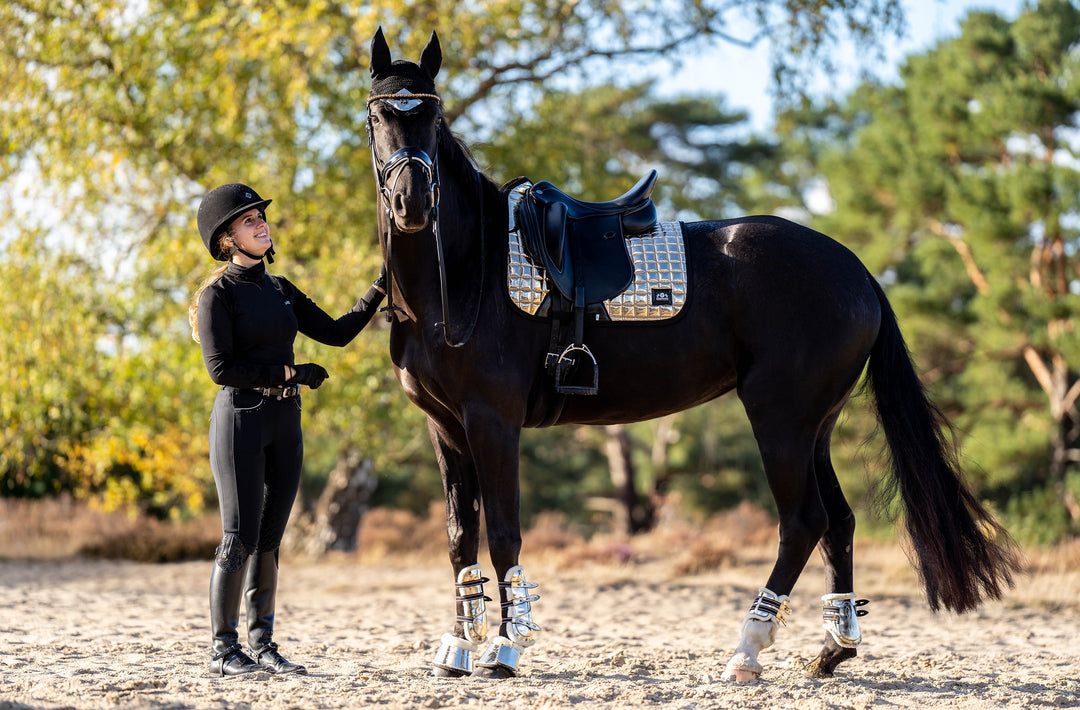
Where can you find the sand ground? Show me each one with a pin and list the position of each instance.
(618, 633)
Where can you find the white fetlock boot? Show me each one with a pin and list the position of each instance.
(758, 633)
(840, 617)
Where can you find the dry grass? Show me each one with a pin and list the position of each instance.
(61, 528)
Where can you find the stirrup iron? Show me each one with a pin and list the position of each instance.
(840, 617)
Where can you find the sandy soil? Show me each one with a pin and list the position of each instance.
(93, 634)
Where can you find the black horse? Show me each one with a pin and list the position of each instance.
(783, 315)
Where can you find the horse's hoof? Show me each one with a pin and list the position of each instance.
(830, 657)
(494, 672)
(437, 672)
(817, 669)
(742, 669)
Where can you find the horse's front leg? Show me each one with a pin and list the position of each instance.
(496, 438)
(459, 649)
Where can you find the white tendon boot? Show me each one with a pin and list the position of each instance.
(505, 651)
(840, 617)
(455, 655)
(758, 632)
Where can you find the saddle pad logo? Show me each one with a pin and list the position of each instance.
(661, 297)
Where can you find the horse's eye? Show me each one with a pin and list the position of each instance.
(375, 120)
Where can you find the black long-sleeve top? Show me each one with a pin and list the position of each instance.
(248, 321)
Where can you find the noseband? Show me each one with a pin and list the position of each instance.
(397, 163)
(387, 175)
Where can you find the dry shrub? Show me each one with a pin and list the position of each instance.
(705, 555)
(551, 531)
(388, 535)
(150, 540)
(1062, 558)
(60, 527)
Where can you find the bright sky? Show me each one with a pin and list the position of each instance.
(743, 75)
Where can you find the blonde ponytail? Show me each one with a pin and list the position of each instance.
(193, 310)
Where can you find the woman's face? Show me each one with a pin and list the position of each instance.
(251, 232)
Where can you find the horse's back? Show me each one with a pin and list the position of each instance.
(795, 298)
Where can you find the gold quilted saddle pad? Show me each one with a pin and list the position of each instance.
(657, 292)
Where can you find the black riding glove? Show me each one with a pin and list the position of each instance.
(375, 294)
(380, 282)
(310, 374)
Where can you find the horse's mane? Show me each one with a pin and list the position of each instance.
(456, 157)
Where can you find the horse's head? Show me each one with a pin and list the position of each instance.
(404, 118)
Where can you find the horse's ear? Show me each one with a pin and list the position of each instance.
(380, 54)
(431, 57)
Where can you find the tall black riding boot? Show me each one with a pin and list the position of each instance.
(226, 591)
(261, 596)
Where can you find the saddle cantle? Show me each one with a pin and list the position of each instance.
(581, 244)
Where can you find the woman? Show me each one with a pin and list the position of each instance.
(246, 321)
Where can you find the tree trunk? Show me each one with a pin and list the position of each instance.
(635, 514)
(334, 522)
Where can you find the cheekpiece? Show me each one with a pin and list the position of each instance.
(840, 617)
(768, 606)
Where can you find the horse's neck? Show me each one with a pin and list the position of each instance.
(467, 224)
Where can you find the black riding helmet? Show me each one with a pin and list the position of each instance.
(220, 207)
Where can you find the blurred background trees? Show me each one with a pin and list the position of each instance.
(957, 185)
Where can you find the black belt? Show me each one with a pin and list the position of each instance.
(281, 392)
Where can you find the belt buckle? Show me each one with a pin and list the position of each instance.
(290, 391)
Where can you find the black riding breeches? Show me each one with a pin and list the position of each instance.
(256, 454)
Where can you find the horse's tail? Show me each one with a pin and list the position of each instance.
(961, 553)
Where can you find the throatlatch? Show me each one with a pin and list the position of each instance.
(505, 651)
(456, 654)
(840, 617)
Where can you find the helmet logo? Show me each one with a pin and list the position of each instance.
(247, 195)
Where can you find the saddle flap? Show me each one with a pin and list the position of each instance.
(555, 235)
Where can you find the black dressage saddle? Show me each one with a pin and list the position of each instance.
(582, 248)
(582, 245)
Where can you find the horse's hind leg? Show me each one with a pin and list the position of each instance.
(841, 618)
(458, 649)
(787, 447)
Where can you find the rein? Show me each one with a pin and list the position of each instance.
(384, 174)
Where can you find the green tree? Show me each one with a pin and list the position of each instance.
(959, 187)
(119, 117)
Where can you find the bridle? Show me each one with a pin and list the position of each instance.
(387, 175)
